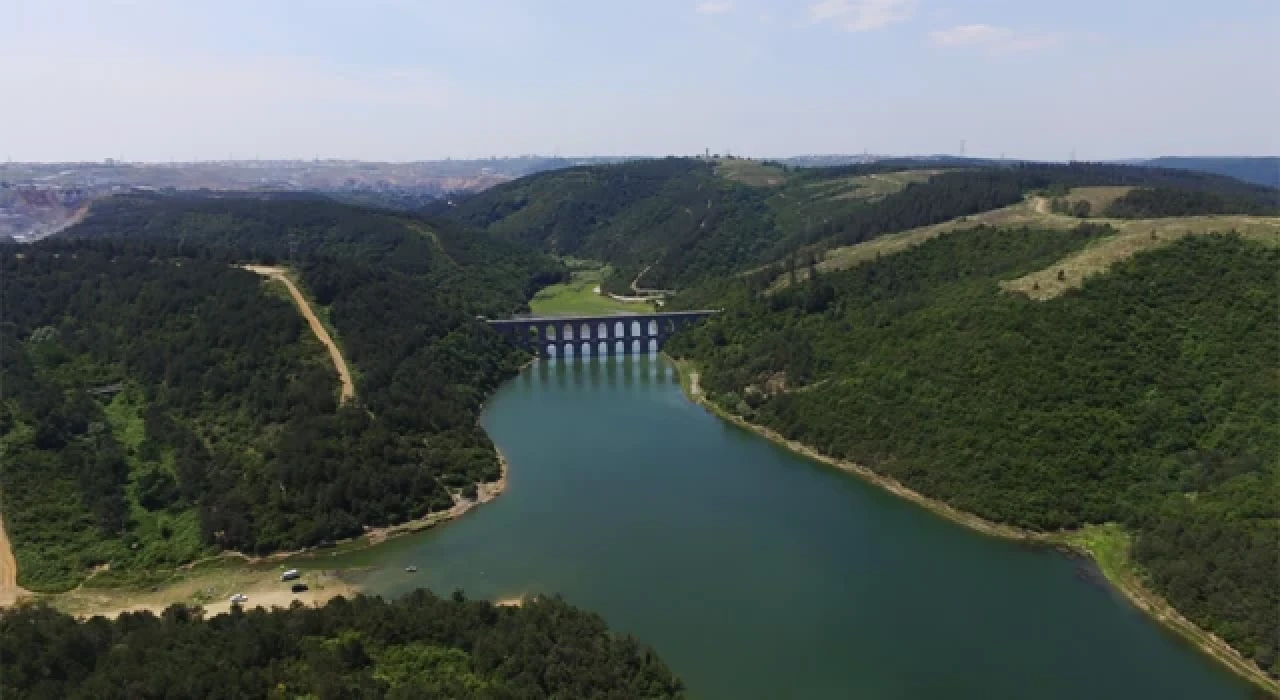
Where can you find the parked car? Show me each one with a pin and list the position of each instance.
(298, 587)
(290, 575)
(239, 598)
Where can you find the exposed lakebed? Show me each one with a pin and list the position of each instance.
(757, 573)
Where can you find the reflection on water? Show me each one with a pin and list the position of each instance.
(645, 369)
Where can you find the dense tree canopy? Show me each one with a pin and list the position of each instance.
(419, 646)
(227, 432)
(483, 273)
(1157, 202)
(1148, 397)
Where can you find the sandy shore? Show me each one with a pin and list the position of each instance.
(485, 493)
(209, 589)
(212, 581)
(1130, 586)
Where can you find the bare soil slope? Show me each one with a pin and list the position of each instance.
(9, 590)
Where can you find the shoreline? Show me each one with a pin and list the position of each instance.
(1123, 581)
(234, 572)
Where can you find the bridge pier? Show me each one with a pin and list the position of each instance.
(582, 336)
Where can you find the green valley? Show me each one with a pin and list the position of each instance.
(1079, 355)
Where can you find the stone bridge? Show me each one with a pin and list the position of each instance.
(592, 336)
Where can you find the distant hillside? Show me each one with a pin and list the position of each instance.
(684, 221)
(1264, 170)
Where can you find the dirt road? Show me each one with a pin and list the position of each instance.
(9, 590)
(339, 363)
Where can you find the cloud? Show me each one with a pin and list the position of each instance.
(862, 15)
(714, 8)
(993, 39)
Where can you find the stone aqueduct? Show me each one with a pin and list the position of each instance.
(593, 336)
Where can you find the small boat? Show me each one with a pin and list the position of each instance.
(411, 569)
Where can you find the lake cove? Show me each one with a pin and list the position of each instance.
(757, 573)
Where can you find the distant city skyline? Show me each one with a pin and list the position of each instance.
(406, 80)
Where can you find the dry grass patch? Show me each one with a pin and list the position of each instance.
(1136, 236)
(751, 172)
(884, 184)
(868, 187)
(1032, 212)
(1099, 198)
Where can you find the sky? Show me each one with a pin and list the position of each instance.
(400, 80)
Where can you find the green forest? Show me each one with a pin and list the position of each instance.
(1157, 202)
(1149, 397)
(160, 404)
(227, 433)
(419, 646)
(687, 224)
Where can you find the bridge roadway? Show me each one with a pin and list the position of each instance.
(583, 336)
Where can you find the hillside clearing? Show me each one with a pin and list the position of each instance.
(322, 333)
(1134, 235)
(1099, 198)
(750, 172)
(1144, 235)
(868, 187)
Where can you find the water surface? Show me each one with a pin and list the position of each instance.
(757, 573)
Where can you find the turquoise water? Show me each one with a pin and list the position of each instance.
(760, 574)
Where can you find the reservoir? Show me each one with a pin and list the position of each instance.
(757, 573)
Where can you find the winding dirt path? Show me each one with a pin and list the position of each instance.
(9, 590)
(339, 363)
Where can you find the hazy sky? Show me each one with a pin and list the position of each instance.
(420, 79)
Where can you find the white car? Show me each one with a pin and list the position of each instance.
(239, 598)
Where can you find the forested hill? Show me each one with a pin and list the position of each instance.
(1149, 397)
(1260, 170)
(216, 424)
(689, 220)
(485, 273)
(416, 647)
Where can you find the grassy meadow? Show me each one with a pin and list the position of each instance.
(579, 295)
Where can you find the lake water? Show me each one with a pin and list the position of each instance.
(759, 574)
